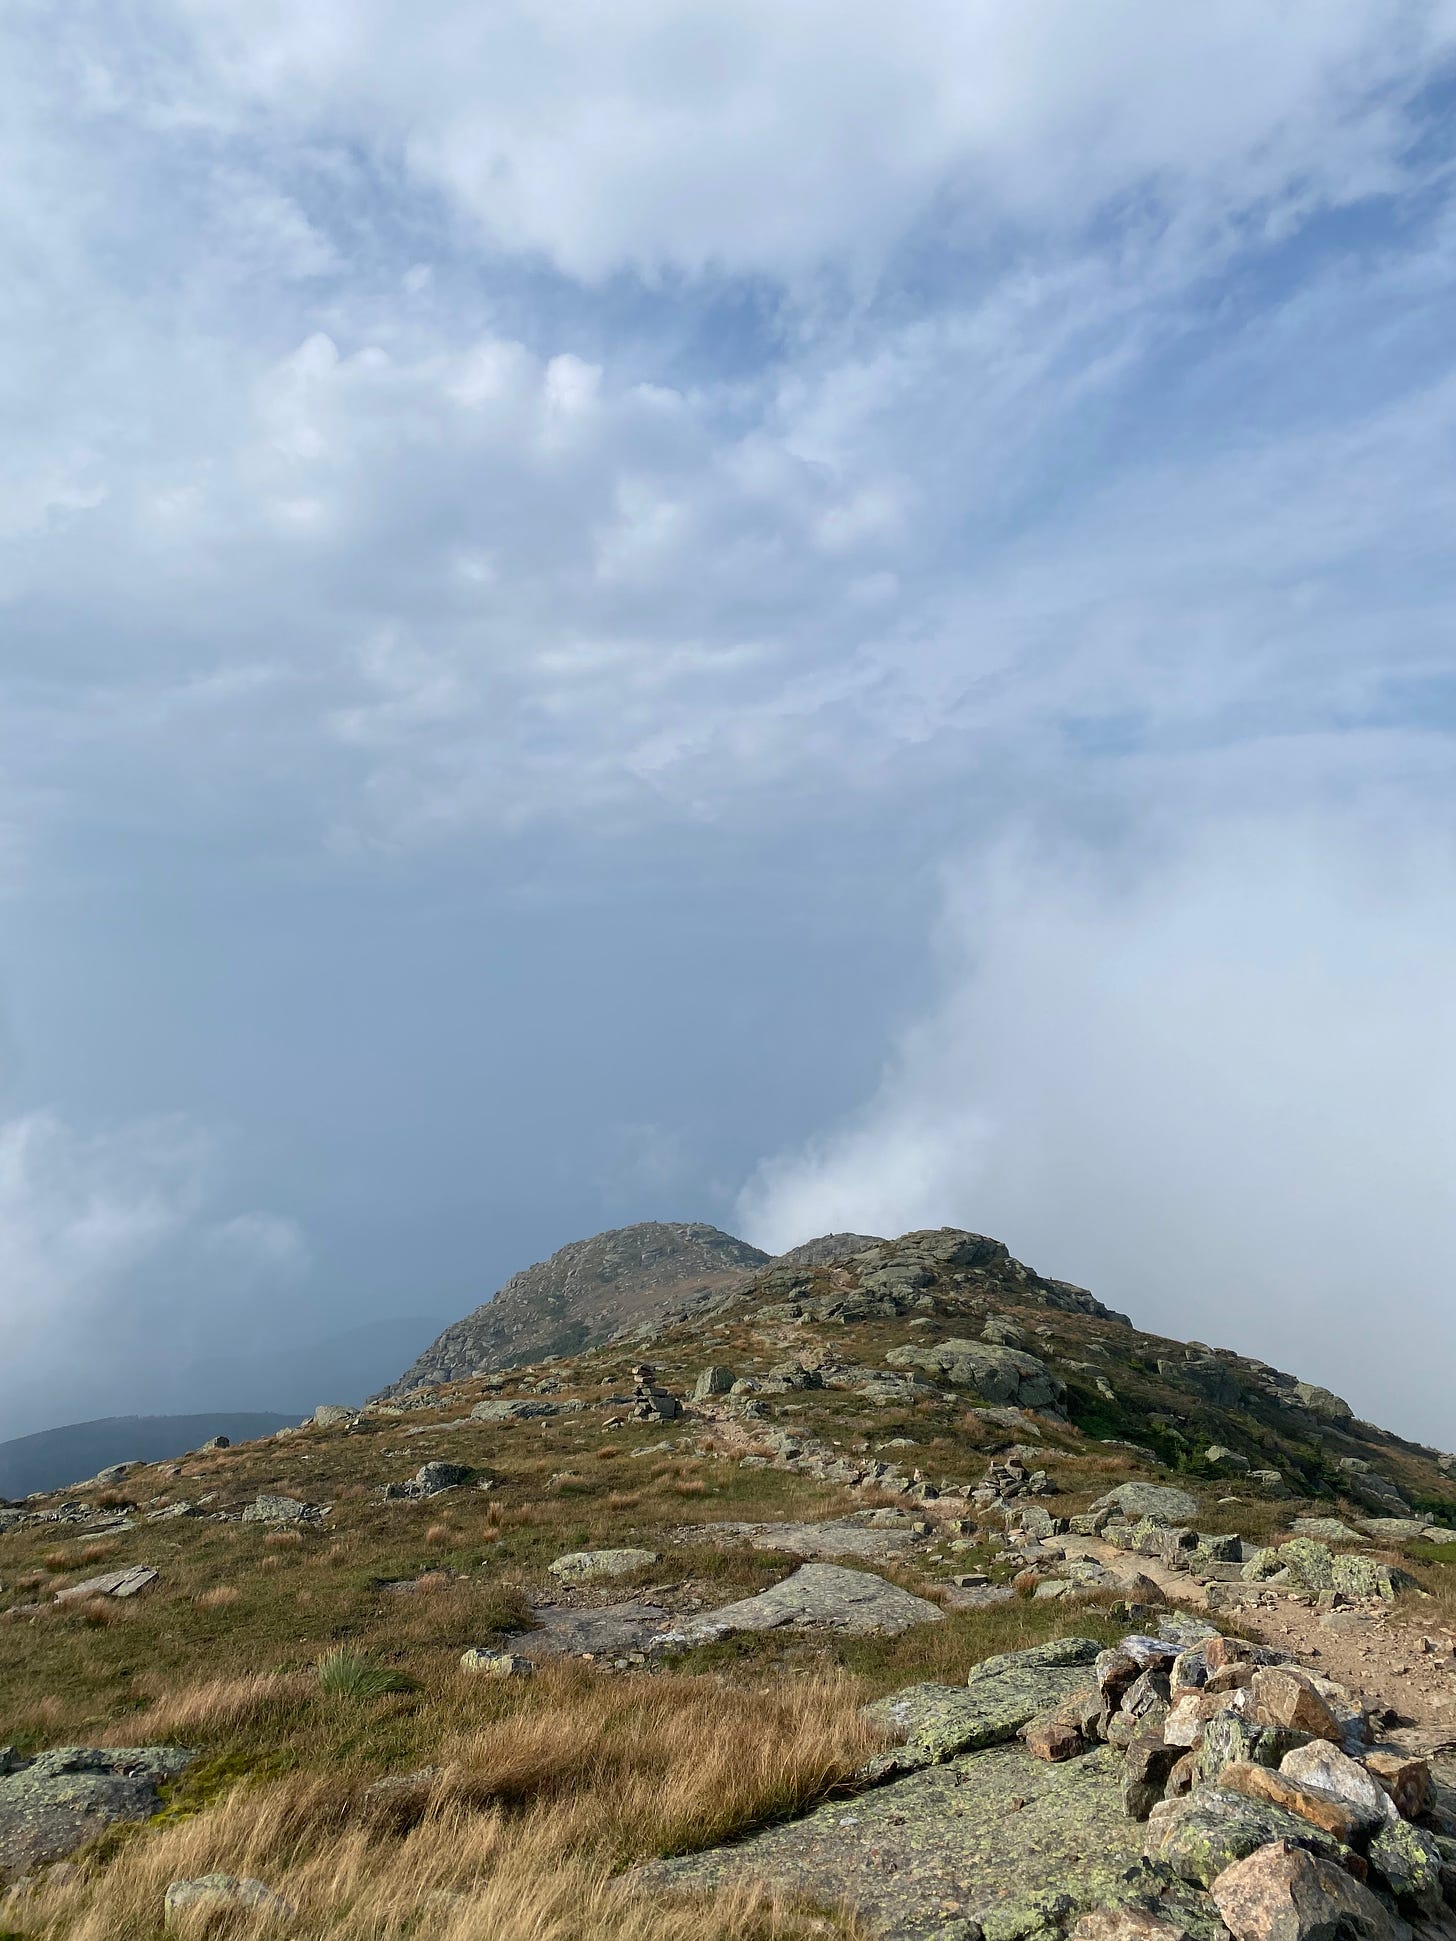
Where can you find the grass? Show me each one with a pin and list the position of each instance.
(349, 1674)
(547, 1793)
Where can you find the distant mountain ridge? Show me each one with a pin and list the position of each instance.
(587, 1292)
(53, 1458)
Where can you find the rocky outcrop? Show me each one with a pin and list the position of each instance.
(54, 1803)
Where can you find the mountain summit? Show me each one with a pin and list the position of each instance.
(586, 1293)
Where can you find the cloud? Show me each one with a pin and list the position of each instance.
(115, 1264)
(745, 139)
(1202, 1075)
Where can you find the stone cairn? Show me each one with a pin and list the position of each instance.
(649, 1402)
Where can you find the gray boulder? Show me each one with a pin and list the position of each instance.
(281, 1509)
(996, 1374)
(1323, 1402)
(59, 1800)
(1206, 1831)
(827, 1596)
(1324, 1769)
(518, 1410)
(1207, 1376)
(713, 1381)
(591, 1566)
(112, 1583)
(1158, 1500)
(329, 1415)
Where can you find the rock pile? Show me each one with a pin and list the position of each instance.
(649, 1402)
(1005, 1481)
(1233, 1754)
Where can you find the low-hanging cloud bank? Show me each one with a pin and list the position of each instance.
(1216, 1087)
(120, 1262)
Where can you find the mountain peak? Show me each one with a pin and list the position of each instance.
(586, 1292)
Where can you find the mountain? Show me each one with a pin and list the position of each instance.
(585, 1293)
(53, 1458)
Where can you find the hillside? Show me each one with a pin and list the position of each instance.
(585, 1293)
(795, 1634)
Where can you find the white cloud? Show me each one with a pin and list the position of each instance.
(1209, 1080)
(739, 135)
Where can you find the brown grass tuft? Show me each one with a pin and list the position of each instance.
(217, 1706)
(217, 1597)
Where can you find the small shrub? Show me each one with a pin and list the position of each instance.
(351, 1675)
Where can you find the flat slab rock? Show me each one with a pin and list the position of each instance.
(938, 1722)
(112, 1583)
(827, 1596)
(65, 1797)
(611, 1632)
(842, 1537)
(997, 1838)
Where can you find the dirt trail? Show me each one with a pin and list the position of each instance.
(1387, 1659)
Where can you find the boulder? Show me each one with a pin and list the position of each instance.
(1052, 1739)
(281, 1509)
(1326, 1529)
(1309, 1564)
(1207, 1376)
(1283, 1893)
(55, 1802)
(190, 1905)
(933, 1723)
(1145, 1773)
(1322, 1402)
(1322, 1768)
(1281, 1696)
(591, 1566)
(1160, 1500)
(1258, 1782)
(1366, 1577)
(1409, 1862)
(1221, 1458)
(993, 1844)
(831, 1596)
(713, 1381)
(1403, 1775)
(613, 1631)
(996, 1374)
(495, 1664)
(1202, 1834)
(1229, 1737)
(433, 1477)
(329, 1415)
(1126, 1924)
(521, 1409)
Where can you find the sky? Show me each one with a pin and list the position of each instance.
(812, 618)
